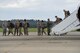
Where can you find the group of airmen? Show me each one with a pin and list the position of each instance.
(41, 26)
(15, 29)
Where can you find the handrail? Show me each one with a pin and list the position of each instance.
(69, 25)
(71, 13)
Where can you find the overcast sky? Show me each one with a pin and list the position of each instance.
(35, 9)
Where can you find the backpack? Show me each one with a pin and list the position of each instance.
(28, 25)
(68, 13)
(11, 25)
(60, 19)
(20, 25)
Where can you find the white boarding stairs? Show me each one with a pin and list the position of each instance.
(69, 24)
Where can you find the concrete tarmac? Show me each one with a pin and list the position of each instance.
(69, 43)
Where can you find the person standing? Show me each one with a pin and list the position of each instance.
(4, 26)
(39, 27)
(10, 27)
(58, 20)
(48, 27)
(66, 13)
(20, 28)
(16, 30)
(43, 26)
(26, 25)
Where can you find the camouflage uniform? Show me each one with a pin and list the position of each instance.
(20, 28)
(48, 27)
(4, 26)
(43, 27)
(39, 27)
(66, 13)
(26, 25)
(10, 27)
(16, 30)
(58, 20)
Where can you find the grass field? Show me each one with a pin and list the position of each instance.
(1, 29)
(30, 29)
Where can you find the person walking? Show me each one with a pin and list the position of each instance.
(26, 26)
(10, 27)
(39, 27)
(66, 13)
(16, 30)
(43, 26)
(58, 20)
(48, 27)
(20, 28)
(4, 26)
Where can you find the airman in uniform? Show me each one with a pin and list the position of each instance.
(43, 26)
(58, 20)
(10, 27)
(66, 13)
(4, 26)
(39, 27)
(26, 25)
(48, 27)
(20, 28)
(16, 30)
